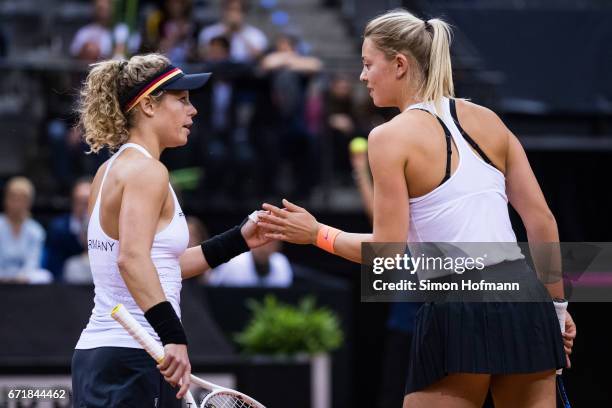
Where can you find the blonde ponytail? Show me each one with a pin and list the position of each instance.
(439, 78)
(100, 113)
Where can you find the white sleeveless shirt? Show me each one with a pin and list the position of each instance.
(471, 206)
(110, 289)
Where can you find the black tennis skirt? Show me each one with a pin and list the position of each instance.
(107, 377)
(484, 337)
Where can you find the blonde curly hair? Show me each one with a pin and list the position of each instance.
(100, 112)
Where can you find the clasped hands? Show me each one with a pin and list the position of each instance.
(291, 224)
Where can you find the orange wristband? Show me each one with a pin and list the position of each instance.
(326, 237)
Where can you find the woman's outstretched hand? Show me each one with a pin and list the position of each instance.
(292, 224)
(253, 234)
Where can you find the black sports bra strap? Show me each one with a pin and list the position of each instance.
(449, 150)
(453, 111)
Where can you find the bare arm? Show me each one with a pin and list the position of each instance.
(387, 161)
(292, 61)
(306, 65)
(144, 195)
(193, 262)
(387, 155)
(526, 197)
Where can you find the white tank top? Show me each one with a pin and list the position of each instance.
(110, 289)
(471, 206)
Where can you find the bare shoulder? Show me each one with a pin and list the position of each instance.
(471, 114)
(398, 132)
(138, 169)
(487, 129)
(134, 171)
(382, 146)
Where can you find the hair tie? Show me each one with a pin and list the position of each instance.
(122, 65)
(427, 25)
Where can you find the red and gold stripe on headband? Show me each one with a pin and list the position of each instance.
(156, 83)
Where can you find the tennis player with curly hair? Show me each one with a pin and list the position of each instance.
(137, 234)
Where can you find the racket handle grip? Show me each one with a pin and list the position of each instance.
(155, 350)
(121, 315)
(560, 309)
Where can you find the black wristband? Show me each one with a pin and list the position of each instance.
(166, 323)
(223, 247)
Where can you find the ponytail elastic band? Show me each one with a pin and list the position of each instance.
(326, 237)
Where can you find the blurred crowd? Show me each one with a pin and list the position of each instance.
(271, 108)
(272, 123)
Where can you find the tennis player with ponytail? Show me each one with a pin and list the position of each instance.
(137, 234)
(444, 170)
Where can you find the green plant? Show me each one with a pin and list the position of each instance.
(278, 328)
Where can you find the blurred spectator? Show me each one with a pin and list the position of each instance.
(218, 56)
(76, 269)
(218, 50)
(218, 116)
(341, 123)
(171, 31)
(21, 238)
(314, 107)
(100, 40)
(91, 43)
(226, 139)
(234, 100)
(286, 135)
(263, 266)
(286, 57)
(247, 43)
(94, 41)
(64, 237)
(67, 152)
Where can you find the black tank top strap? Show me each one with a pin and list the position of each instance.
(481, 153)
(449, 150)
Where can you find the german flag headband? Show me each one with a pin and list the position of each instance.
(170, 78)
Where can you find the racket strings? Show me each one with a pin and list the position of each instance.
(226, 401)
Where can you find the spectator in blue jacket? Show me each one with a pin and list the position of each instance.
(64, 235)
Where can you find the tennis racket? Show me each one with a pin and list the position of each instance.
(217, 397)
(560, 308)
